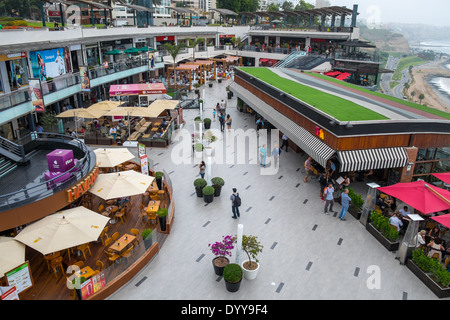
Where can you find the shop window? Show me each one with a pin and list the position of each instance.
(441, 166)
(426, 154)
(422, 168)
(443, 153)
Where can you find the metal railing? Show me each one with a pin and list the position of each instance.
(14, 148)
(42, 190)
(59, 83)
(15, 98)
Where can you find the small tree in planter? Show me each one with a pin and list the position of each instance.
(147, 236)
(207, 123)
(232, 274)
(222, 249)
(158, 178)
(208, 194)
(198, 149)
(199, 184)
(252, 247)
(162, 215)
(217, 184)
(356, 203)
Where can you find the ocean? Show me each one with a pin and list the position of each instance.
(437, 46)
(442, 85)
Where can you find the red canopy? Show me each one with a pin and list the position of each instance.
(443, 176)
(444, 220)
(343, 76)
(420, 195)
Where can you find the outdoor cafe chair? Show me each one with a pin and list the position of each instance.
(135, 232)
(115, 236)
(120, 215)
(83, 248)
(99, 265)
(127, 253)
(112, 256)
(56, 264)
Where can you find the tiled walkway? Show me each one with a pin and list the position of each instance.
(306, 255)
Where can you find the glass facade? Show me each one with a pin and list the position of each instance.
(430, 161)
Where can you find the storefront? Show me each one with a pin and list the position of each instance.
(161, 40)
(13, 70)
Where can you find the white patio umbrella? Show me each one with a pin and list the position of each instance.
(63, 230)
(12, 254)
(121, 184)
(111, 157)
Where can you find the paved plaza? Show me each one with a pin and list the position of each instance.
(306, 255)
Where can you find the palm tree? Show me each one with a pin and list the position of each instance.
(193, 44)
(173, 51)
(421, 97)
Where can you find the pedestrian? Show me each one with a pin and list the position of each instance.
(228, 122)
(202, 167)
(39, 128)
(214, 114)
(259, 124)
(345, 203)
(235, 203)
(329, 200)
(307, 168)
(276, 151)
(263, 155)
(323, 180)
(222, 122)
(284, 142)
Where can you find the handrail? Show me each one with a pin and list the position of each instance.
(12, 147)
(40, 190)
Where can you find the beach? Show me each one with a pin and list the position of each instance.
(424, 82)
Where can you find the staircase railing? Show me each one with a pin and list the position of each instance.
(11, 147)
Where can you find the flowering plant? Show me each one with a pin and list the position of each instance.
(224, 247)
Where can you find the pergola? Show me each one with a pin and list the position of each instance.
(185, 68)
(183, 12)
(227, 60)
(207, 65)
(224, 13)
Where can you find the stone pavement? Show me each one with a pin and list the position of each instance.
(306, 255)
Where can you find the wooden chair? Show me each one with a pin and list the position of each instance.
(127, 253)
(79, 264)
(135, 232)
(99, 265)
(112, 257)
(104, 235)
(108, 242)
(152, 217)
(56, 264)
(83, 248)
(120, 215)
(101, 208)
(115, 236)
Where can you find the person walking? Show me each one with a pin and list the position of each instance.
(329, 200)
(345, 203)
(235, 203)
(323, 180)
(202, 167)
(263, 155)
(276, 151)
(228, 122)
(284, 142)
(222, 122)
(307, 168)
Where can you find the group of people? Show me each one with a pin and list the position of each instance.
(432, 244)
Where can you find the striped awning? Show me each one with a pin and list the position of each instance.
(368, 159)
(308, 142)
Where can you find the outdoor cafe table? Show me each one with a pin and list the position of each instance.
(153, 188)
(86, 272)
(122, 243)
(152, 208)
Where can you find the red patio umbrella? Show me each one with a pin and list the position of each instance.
(420, 195)
(443, 176)
(444, 220)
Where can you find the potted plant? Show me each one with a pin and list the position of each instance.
(217, 184)
(162, 215)
(210, 84)
(208, 194)
(198, 149)
(382, 230)
(356, 204)
(252, 247)
(232, 274)
(197, 86)
(207, 123)
(222, 249)
(199, 184)
(158, 178)
(147, 236)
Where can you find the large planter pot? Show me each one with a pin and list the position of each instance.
(162, 223)
(233, 286)
(210, 85)
(148, 243)
(229, 94)
(219, 263)
(208, 198)
(390, 246)
(219, 80)
(438, 290)
(199, 192)
(355, 212)
(207, 125)
(217, 190)
(250, 274)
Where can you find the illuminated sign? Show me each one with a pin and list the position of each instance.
(320, 133)
(83, 186)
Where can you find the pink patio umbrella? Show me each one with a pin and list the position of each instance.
(443, 176)
(420, 195)
(444, 220)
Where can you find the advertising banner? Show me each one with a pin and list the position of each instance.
(20, 277)
(85, 83)
(50, 63)
(144, 165)
(37, 97)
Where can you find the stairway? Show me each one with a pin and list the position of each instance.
(6, 166)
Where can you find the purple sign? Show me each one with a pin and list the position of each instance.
(59, 178)
(60, 160)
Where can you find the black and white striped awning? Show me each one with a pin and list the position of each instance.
(308, 142)
(368, 159)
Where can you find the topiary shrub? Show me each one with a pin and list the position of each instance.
(232, 272)
(208, 191)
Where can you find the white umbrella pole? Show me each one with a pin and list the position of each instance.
(129, 126)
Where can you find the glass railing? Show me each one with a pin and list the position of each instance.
(60, 83)
(117, 66)
(14, 98)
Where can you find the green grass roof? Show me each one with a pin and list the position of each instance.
(339, 108)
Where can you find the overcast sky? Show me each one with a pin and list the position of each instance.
(432, 12)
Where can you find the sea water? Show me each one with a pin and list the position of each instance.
(442, 84)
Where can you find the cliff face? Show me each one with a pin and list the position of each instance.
(386, 40)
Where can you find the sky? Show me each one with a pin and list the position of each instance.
(432, 12)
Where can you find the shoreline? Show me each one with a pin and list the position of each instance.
(422, 75)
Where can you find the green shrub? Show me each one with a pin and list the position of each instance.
(381, 223)
(199, 147)
(158, 174)
(197, 118)
(200, 183)
(357, 200)
(146, 233)
(162, 212)
(432, 266)
(207, 121)
(216, 181)
(232, 272)
(208, 191)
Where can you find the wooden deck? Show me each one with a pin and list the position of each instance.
(47, 286)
